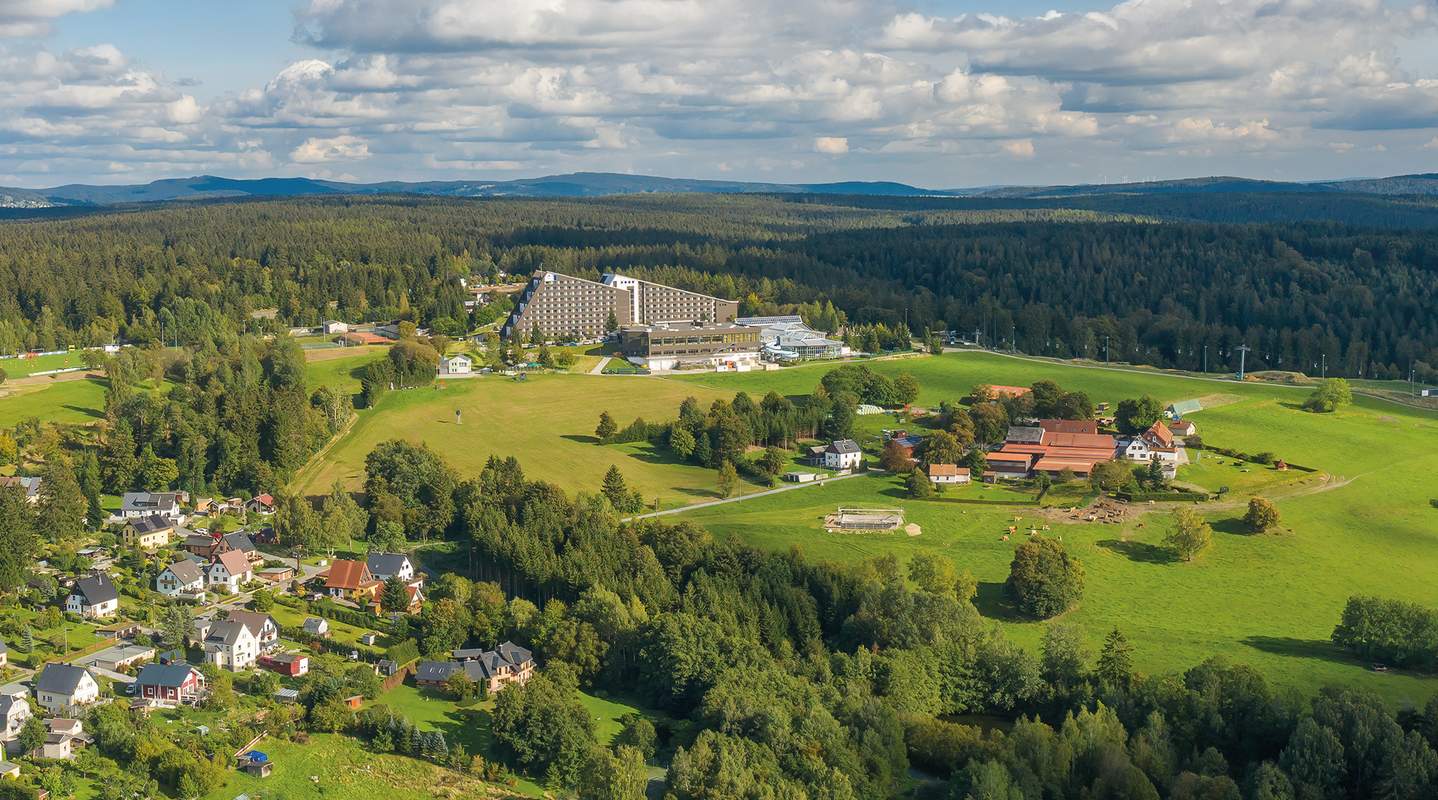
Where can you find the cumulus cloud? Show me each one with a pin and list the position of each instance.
(769, 89)
(316, 150)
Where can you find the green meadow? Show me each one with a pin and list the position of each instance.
(69, 402)
(1362, 524)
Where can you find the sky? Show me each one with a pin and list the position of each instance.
(937, 93)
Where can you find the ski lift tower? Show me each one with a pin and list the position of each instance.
(1242, 358)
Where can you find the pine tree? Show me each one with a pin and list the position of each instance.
(1115, 662)
(89, 479)
(62, 504)
(615, 488)
(703, 450)
(118, 463)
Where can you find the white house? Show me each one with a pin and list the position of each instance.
(230, 645)
(262, 626)
(64, 686)
(332, 326)
(93, 597)
(384, 566)
(183, 577)
(137, 505)
(948, 475)
(843, 454)
(1156, 442)
(456, 365)
(14, 710)
(317, 626)
(230, 569)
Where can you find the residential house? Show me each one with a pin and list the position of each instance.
(170, 684)
(843, 454)
(435, 673)
(137, 505)
(456, 365)
(14, 711)
(93, 597)
(65, 686)
(383, 566)
(317, 626)
(507, 664)
(207, 506)
(4, 654)
(261, 504)
(29, 487)
(184, 578)
(229, 644)
(148, 533)
(231, 570)
(200, 544)
(948, 474)
(62, 738)
(11, 771)
(1183, 427)
(276, 574)
(241, 541)
(349, 579)
(262, 626)
(1155, 443)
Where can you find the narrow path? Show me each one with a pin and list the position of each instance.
(599, 368)
(742, 497)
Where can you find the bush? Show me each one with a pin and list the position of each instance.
(1262, 515)
(1390, 631)
(1044, 580)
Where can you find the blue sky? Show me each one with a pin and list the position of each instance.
(933, 92)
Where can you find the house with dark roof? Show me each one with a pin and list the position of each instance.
(170, 684)
(64, 686)
(383, 566)
(184, 578)
(1023, 434)
(843, 454)
(93, 597)
(262, 626)
(137, 505)
(148, 533)
(435, 673)
(504, 665)
(229, 644)
(238, 540)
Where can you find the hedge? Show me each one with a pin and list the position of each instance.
(1163, 496)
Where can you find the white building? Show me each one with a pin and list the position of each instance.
(456, 365)
(14, 711)
(843, 454)
(335, 326)
(229, 644)
(948, 475)
(93, 597)
(183, 577)
(137, 505)
(64, 686)
(230, 569)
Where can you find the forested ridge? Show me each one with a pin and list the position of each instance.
(1062, 282)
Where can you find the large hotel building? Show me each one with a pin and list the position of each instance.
(564, 306)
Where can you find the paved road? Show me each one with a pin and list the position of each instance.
(743, 497)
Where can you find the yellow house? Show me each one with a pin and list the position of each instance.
(148, 533)
(9, 769)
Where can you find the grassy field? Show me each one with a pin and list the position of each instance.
(338, 367)
(65, 401)
(1271, 600)
(337, 767)
(20, 367)
(470, 724)
(547, 421)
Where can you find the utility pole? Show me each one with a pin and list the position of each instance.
(1014, 338)
(1105, 349)
(1325, 366)
(1242, 358)
(1205, 358)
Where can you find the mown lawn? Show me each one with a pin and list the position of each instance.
(1270, 601)
(547, 421)
(72, 402)
(21, 367)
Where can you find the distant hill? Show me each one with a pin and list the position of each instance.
(579, 184)
(602, 184)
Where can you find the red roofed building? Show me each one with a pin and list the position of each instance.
(351, 580)
(1069, 425)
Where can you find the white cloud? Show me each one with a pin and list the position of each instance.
(1432, 144)
(316, 150)
(771, 89)
(1022, 148)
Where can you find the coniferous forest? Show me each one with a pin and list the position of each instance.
(1088, 282)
